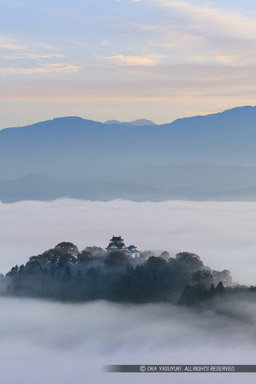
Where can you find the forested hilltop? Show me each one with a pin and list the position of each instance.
(63, 273)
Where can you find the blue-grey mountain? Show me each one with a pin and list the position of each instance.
(203, 157)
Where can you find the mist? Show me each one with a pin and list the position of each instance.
(43, 341)
(222, 234)
(61, 343)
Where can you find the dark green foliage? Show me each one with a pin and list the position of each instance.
(84, 257)
(220, 288)
(199, 293)
(190, 260)
(67, 247)
(95, 251)
(62, 273)
(202, 277)
(116, 259)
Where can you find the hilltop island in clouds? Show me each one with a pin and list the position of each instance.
(120, 274)
(133, 118)
(199, 158)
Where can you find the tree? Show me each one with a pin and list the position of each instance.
(84, 257)
(165, 255)
(220, 288)
(203, 277)
(67, 247)
(223, 276)
(191, 295)
(116, 259)
(95, 251)
(190, 260)
(67, 274)
(155, 262)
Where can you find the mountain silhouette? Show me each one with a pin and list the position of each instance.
(192, 158)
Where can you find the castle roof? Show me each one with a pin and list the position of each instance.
(131, 247)
(116, 243)
(117, 238)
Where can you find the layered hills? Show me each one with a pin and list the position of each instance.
(198, 158)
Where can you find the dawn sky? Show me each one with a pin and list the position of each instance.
(126, 59)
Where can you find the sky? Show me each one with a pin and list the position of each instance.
(221, 233)
(125, 59)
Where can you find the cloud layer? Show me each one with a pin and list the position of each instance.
(57, 343)
(60, 343)
(222, 234)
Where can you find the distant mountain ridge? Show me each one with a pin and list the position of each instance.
(137, 123)
(192, 158)
(188, 182)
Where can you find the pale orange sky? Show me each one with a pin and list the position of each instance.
(154, 59)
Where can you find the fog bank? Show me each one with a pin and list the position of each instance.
(222, 234)
(58, 343)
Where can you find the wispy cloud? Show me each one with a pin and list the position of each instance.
(130, 61)
(7, 43)
(11, 44)
(44, 68)
(218, 58)
(29, 52)
(161, 50)
(205, 16)
(200, 34)
(34, 56)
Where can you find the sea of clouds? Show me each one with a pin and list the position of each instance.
(49, 342)
(223, 234)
